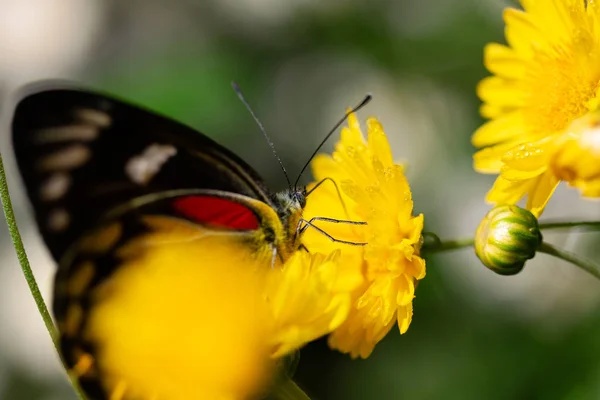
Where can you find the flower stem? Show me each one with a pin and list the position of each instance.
(583, 263)
(22, 256)
(592, 225)
(433, 244)
(26, 267)
(455, 244)
(287, 389)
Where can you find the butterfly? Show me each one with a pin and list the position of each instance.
(102, 173)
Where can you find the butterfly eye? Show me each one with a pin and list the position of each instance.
(301, 198)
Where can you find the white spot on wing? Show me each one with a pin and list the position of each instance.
(67, 133)
(142, 168)
(67, 158)
(55, 186)
(94, 117)
(58, 220)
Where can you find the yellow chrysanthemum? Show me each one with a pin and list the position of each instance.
(191, 314)
(374, 190)
(309, 298)
(167, 324)
(547, 76)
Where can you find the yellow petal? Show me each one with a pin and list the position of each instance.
(416, 268)
(508, 192)
(489, 160)
(540, 193)
(378, 143)
(501, 92)
(512, 174)
(521, 33)
(490, 111)
(576, 157)
(354, 125)
(503, 61)
(526, 157)
(349, 137)
(312, 303)
(499, 130)
(405, 315)
(323, 166)
(406, 291)
(590, 188)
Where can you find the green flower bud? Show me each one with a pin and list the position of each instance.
(506, 238)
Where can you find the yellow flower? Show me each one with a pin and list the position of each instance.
(372, 189)
(167, 323)
(577, 158)
(191, 314)
(308, 298)
(547, 76)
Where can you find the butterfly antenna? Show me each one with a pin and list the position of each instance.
(363, 103)
(239, 93)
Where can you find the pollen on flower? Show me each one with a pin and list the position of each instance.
(372, 189)
(551, 108)
(547, 77)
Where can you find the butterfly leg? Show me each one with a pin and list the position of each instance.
(303, 247)
(332, 220)
(309, 223)
(274, 257)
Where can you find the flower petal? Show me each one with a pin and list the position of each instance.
(509, 192)
(540, 193)
(405, 315)
(378, 143)
(503, 61)
(499, 130)
(501, 92)
(489, 160)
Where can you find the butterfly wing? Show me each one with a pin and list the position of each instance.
(183, 232)
(106, 179)
(82, 153)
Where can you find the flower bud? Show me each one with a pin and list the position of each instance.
(506, 238)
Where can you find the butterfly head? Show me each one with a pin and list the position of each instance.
(290, 202)
(299, 195)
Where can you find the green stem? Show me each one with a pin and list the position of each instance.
(287, 389)
(583, 263)
(592, 225)
(433, 244)
(454, 245)
(26, 268)
(22, 256)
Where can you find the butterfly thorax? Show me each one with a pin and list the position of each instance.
(290, 204)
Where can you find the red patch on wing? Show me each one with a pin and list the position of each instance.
(217, 211)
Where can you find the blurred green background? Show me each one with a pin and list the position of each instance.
(475, 335)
